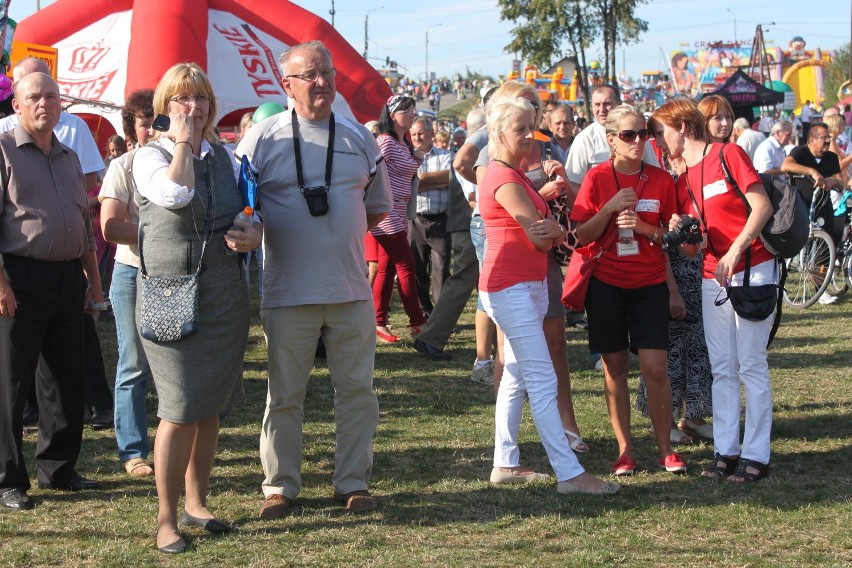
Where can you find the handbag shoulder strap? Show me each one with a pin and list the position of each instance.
(207, 231)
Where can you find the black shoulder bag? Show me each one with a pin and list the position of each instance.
(753, 303)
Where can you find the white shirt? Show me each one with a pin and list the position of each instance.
(806, 113)
(768, 155)
(748, 140)
(149, 171)
(72, 131)
(591, 148)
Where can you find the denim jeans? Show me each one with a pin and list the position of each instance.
(477, 235)
(132, 373)
(519, 311)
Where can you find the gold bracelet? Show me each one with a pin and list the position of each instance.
(654, 237)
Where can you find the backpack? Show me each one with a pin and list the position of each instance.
(787, 229)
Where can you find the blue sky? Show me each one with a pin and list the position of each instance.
(469, 34)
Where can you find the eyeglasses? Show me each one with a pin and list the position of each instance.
(826, 137)
(187, 100)
(631, 135)
(313, 75)
(535, 106)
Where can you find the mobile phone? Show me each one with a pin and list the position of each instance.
(162, 123)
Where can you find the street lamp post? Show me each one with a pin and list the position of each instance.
(427, 49)
(366, 34)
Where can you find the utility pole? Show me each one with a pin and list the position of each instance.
(332, 12)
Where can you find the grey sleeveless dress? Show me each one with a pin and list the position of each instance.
(200, 376)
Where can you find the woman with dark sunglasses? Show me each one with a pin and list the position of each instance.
(621, 209)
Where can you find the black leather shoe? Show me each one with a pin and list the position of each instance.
(210, 525)
(177, 547)
(430, 352)
(16, 498)
(102, 419)
(76, 483)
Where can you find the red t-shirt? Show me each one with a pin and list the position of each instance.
(724, 211)
(657, 203)
(510, 257)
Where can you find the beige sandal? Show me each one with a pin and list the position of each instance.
(138, 467)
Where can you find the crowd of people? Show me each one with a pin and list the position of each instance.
(500, 206)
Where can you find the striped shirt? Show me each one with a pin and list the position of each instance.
(402, 167)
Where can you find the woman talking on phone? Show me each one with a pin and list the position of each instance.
(188, 198)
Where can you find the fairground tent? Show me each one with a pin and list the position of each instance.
(744, 93)
(109, 48)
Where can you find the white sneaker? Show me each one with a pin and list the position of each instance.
(483, 374)
(827, 299)
(599, 365)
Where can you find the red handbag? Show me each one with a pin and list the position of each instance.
(583, 262)
(579, 273)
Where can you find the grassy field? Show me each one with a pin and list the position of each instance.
(432, 459)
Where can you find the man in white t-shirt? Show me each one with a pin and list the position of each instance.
(315, 278)
(770, 154)
(746, 138)
(806, 115)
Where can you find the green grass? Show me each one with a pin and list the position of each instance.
(432, 458)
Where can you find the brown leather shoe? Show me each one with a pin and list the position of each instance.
(357, 501)
(274, 507)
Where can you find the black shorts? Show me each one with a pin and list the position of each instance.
(619, 318)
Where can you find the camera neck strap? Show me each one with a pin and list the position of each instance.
(329, 157)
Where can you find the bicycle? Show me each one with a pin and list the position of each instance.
(808, 271)
(841, 276)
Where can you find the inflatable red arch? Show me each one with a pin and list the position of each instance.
(108, 48)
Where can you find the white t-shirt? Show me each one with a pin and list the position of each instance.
(315, 260)
(749, 140)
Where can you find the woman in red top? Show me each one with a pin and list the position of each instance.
(628, 298)
(737, 347)
(718, 118)
(514, 294)
(395, 256)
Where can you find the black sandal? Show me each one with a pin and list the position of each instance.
(743, 475)
(722, 467)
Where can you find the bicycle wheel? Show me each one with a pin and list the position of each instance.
(847, 270)
(809, 272)
(838, 276)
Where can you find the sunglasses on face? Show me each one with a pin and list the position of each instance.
(631, 135)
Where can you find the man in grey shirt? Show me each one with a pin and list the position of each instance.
(47, 248)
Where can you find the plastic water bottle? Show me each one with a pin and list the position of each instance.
(242, 220)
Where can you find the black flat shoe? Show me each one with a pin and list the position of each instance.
(17, 499)
(76, 483)
(432, 353)
(177, 547)
(102, 419)
(210, 525)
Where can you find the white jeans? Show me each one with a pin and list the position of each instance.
(737, 349)
(519, 311)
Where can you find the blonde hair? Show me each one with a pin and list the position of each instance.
(498, 113)
(835, 124)
(614, 118)
(517, 89)
(180, 79)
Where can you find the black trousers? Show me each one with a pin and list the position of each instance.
(430, 244)
(48, 320)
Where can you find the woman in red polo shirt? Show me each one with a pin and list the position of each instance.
(513, 288)
(628, 298)
(737, 347)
